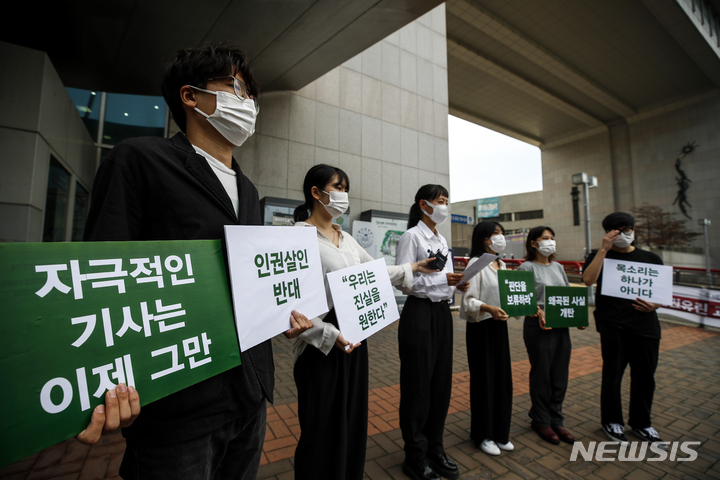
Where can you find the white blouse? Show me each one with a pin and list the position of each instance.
(413, 246)
(323, 335)
(484, 288)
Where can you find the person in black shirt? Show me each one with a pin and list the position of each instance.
(189, 187)
(629, 334)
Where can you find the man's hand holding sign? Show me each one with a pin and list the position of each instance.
(122, 406)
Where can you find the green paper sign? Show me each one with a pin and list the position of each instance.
(566, 307)
(79, 318)
(517, 293)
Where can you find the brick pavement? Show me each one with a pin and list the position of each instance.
(686, 407)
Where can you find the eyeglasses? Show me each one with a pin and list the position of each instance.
(240, 90)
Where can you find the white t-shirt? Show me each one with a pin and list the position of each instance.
(227, 177)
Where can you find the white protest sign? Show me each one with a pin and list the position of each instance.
(364, 299)
(273, 271)
(632, 280)
(483, 261)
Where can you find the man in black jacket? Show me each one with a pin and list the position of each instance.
(187, 188)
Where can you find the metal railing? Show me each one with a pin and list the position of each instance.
(681, 275)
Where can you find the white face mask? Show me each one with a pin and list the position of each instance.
(498, 243)
(338, 203)
(233, 118)
(624, 240)
(440, 213)
(546, 247)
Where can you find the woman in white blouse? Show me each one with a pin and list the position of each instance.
(488, 346)
(331, 374)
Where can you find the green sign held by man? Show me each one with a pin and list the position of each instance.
(80, 318)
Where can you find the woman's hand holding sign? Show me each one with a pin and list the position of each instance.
(298, 324)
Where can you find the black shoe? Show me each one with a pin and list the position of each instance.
(615, 432)
(443, 465)
(419, 469)
(649, 434)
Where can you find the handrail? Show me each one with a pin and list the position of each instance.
(463, 261)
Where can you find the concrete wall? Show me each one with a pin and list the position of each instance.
(635, 163)
(37, 120)
(381, 116)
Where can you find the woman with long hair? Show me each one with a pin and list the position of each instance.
(548, 348)
(331, 374)
(425, 338)
(488, 346)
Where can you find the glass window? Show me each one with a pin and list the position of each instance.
(129, 116)
(56, 203)
(529, 215)
(82, 199)
(87, 103)
(505, 217)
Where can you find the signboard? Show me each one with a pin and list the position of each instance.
(464, 219)
(488, 207)
(566, 307)
(379, 238)
(273, 271)
(698, 305)
(632, 280)
(364, 299)
(389, 232)
(517, 292)
(79, 318)
(367, 234)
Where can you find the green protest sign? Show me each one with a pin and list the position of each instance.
(517, 293)
(79, 318)
(566, 307)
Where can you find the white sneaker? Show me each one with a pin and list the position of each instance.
(489, 447)
(508, 447)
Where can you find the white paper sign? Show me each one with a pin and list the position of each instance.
(483, 261)
(632, 280)
(364, 299)
(273, 271)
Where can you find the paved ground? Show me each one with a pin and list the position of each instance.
(686, 408)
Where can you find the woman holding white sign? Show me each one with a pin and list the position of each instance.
(488, 346)
(548, 349)
(331, 374)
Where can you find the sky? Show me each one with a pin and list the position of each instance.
(484, 163)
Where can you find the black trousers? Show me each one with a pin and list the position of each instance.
(232, 451)
(333, 413)
(549, 354)
(621, 348)
(425, 338)
(491, 389)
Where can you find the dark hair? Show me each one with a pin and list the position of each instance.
(617, 220)
(194, 66)
(426, 192)
(482, 232)
(318, 176)
(533, 235)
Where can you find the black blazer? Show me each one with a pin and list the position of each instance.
(154, 188)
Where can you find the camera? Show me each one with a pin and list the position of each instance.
(440, 260)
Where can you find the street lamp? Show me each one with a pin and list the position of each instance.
(587, 182)
(705, 223)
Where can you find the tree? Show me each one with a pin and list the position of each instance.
(656, 228)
